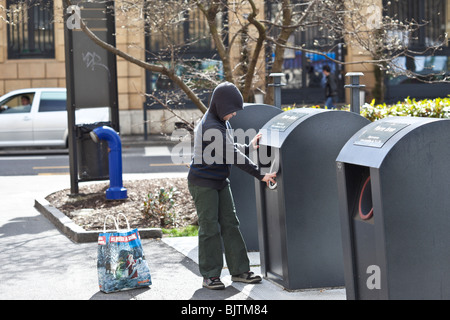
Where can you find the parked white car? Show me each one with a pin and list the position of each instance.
(38, 117)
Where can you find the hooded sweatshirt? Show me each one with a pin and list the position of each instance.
(214, 147)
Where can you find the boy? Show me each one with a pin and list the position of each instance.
(209, 186)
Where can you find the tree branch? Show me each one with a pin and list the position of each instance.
(147, 66)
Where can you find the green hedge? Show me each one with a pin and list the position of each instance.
(432, 108)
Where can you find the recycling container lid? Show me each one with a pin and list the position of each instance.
(277, 129)
(370, 145)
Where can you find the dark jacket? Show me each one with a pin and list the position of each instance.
(214, 147)
(331, 86)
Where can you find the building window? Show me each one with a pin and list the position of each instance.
(304, 80)
(187, 44)
(426, 65)
(30, 29)
(430, 13)
(189, 37)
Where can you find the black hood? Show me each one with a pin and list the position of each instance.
(226, 99)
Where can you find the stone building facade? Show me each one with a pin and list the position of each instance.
(19, 69)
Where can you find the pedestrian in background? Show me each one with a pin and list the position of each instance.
(330, 88)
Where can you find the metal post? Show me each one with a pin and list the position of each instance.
(112, 65)
(355, 87)
(72, 144)
(145, 121)
(277, 87)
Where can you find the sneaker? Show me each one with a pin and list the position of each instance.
(213, 283)
(247, 277)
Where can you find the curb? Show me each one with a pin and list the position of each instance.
(76, 233)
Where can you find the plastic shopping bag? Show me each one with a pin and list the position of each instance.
(121, 263)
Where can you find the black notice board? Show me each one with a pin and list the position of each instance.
(91, 71)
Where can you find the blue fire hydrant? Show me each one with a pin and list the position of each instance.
(116, 191)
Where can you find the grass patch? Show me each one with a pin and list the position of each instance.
(188, 231)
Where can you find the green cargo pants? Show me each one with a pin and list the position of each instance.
(216, 219)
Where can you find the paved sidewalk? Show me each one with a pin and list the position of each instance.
(267, 290)
(39, 262)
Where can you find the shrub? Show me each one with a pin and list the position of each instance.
(432, 108)
(160, 205)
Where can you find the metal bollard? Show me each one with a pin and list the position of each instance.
(277, 87)
(116, 191)
(355, 86)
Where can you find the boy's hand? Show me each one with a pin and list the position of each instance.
(269, 177)
(255, 140)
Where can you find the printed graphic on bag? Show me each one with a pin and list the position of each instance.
(121, 262)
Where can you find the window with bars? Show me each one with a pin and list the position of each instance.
(30, 29)
(304, 79)
(426, 65)
(191, 34)
(189, 39)
(430, 13)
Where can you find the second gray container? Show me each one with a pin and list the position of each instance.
(298, 219)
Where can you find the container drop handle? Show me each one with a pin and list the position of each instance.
(361, 214)
(272, 186)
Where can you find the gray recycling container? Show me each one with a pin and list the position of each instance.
(298, 218)
(394, 197)
(92, 158)
(246, 124)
